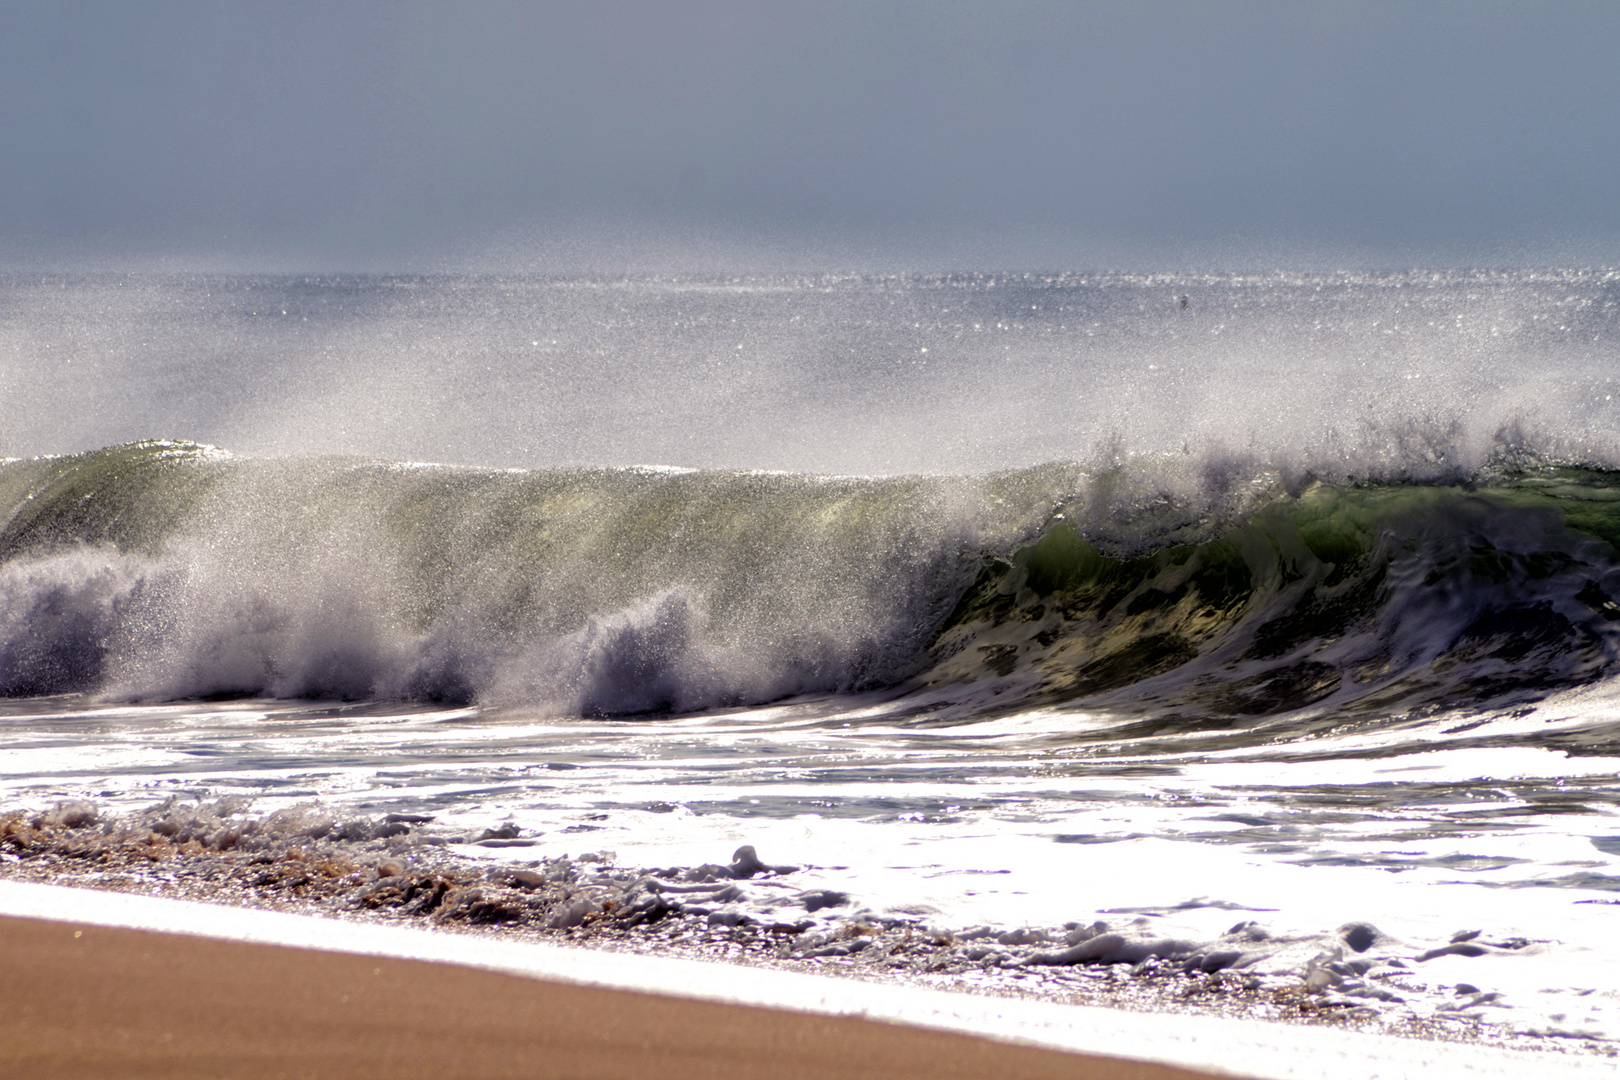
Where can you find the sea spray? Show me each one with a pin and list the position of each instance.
(583, 590)
(163, 570)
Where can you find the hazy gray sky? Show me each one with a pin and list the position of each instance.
(756, 135)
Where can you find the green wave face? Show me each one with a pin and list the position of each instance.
(1345, 602)
(161, 570)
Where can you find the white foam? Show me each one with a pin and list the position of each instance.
(1233, 1047)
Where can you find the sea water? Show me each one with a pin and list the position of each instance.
(988, 601)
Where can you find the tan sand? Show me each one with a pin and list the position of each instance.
(84, 1001)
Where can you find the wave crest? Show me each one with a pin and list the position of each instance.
(1203, 592)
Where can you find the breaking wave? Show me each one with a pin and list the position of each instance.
(1194, 596)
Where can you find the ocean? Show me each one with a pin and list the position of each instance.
(1089, 618)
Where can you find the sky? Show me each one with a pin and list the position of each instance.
(718, 135)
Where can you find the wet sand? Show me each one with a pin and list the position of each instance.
(79, 1000)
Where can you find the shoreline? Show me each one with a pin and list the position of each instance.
(382, 873)
(83, 999)
(1205, 1043)
(378, 888)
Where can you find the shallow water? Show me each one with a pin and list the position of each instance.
(993, 822)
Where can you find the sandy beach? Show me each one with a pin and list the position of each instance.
(82, 1000)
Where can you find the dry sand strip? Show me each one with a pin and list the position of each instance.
(91, 1001)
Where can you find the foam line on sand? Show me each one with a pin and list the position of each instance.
(661, 989)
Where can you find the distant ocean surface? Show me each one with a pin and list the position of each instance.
(1002, 600)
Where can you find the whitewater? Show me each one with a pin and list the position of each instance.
(1264, 623)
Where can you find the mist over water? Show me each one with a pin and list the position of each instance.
(1084, 481)
(870, 453)
(1341, 374)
